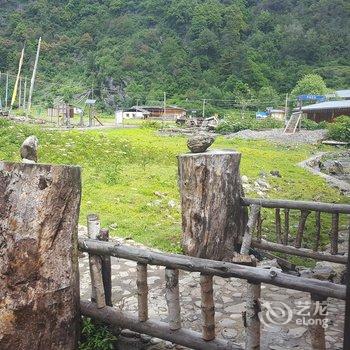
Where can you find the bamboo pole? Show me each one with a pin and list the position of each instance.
(318, 230)
(25, 94)
(142, 292)
(31, 89)
(14, 94)
(207, 307)
(172, 297)
(300, 233)
(334, 233)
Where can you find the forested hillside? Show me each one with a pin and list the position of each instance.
(136, 49)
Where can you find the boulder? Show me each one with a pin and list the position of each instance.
(200, 143)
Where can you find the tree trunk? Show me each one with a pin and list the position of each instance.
(39, 277)
(213, 219)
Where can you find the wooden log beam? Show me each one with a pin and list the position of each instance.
(318, 230)
(39, 272)
(97, 293)
(172, 297)
(334, 233)
(153, 328)
(213, 218)
(318, 312)
(299, 205)
(251, 316)
(106, 269)
(252, 222)
(307, 253)
(217, 268)
(301, 228)
(278, 225)
(207, 307)
(142, 291)
(286, 227)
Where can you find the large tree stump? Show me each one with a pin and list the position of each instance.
(213, 219)
(39, 277)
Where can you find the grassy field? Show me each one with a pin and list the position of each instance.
(130, 175)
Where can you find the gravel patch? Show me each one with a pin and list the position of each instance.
(277, 136)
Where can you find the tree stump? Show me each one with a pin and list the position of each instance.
(39, 277)
(213, 219)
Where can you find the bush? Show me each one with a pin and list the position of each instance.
(312, 125)
(234, 124)
(151, 124)
(340, 129)
(96, 337)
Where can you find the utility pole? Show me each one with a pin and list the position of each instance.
(7, 89)
(31, 89)
(164, 107)
(14, 94)
(203, 112)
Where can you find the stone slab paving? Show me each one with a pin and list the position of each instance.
(229, 302)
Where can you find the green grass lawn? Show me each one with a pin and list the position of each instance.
(124, 169)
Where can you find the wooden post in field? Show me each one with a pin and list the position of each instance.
(106, 269)
(213, 219)
(39, 283)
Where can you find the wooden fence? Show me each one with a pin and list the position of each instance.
(218, 234)
(172, 331)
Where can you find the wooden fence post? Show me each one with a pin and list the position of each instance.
(213, 218)
(172, 296)
(39, 284)
(142, 292)
(316, 326)
(106, 268)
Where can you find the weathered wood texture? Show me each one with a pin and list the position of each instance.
(286, 227)
(318, 231)
(251, 316)
(335, 233)
(172, 296)
(307, 253)
(98, 293)
(300, 205)
(142, 292)
(251, 225)
(278, 225)
(301, 228)
(39, 278)
(213, 219)
(216, 268)
(157, 329)
(316, 329)
(207, 307)
(106, 268)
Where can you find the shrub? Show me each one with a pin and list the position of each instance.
(96, 336)
(234, 124)
(151, 124)
(340, 129)
(312, 125)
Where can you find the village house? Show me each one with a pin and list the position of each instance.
(157, 112)
(327, 111)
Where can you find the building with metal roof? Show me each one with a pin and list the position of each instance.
(345, 94)
(327, 111)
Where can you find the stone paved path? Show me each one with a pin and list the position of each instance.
(229, 303)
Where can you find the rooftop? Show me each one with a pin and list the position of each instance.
(344, 104)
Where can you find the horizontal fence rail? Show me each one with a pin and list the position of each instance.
(300, 205)
(154, 328)
(216, 268)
